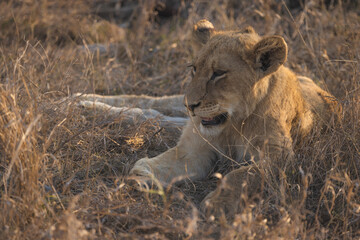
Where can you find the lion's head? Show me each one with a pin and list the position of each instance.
(230, 74)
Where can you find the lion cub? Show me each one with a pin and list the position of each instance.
(244, 105)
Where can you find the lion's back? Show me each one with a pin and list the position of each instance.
(323, 105)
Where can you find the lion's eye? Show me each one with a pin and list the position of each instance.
(217, 74)
(193, 71)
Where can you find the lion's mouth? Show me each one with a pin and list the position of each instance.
(219, 119)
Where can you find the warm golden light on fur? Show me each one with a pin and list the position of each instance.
(240, 75)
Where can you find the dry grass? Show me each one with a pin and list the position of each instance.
(63, 169)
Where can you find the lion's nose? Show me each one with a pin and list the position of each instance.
(191, 107)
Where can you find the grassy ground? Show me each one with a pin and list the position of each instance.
(63, 168)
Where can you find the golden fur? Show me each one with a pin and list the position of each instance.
(243, 104)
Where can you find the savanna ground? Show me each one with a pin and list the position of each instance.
(63, 168)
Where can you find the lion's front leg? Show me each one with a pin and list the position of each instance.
(191, 158)
(226, 198)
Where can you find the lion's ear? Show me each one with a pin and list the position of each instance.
(202, 31)
(269, 53)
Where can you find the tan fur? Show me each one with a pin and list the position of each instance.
(240, 74)
(167, 105)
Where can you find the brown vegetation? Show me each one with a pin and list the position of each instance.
(63, 169)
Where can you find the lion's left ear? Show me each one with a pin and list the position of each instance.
(269, 54)
(202, 31)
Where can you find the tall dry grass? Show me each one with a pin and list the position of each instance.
(63, 168)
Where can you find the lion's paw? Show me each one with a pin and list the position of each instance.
(222, 202)
(143, 174)
(142, 168)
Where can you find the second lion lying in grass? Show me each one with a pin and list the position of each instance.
(244, 105)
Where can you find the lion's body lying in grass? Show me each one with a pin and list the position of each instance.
(244, 105)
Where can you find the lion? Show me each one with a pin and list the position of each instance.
(244, 105)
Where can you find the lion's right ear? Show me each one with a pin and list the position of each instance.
(269, 54)
(202, 31)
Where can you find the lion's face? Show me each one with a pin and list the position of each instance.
(229, 75)
(220, 86)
